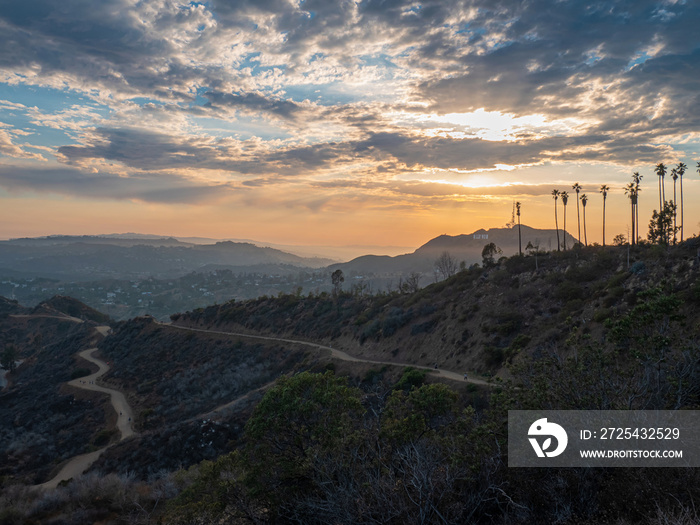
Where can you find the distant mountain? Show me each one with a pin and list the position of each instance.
(83, 258)
(465, 248)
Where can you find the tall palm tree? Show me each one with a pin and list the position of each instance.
(520, 242)
(577, 188)
(564, 201)
(584, 200)
(680, 169)
(604, 190)
(660, 170)
(555, 194)
(674, 176)
(631, 191)
(636, 179)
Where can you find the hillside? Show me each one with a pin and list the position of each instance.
(42, 424)
(480, 319)
(234, 428)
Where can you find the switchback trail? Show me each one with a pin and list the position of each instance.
(79, 464)
(339, 354)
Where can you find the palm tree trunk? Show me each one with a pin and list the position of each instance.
(663, 189)
(564, 226)
(660, 205)
(681, 208)
(633, 237)
(674, 211)
(520, 242)
(603, 220)
(556, 223)
(578, 213)
(585, 236)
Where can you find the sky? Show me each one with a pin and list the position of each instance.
(336, 122)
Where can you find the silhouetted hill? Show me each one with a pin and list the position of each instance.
(462, 248)
(91, 258)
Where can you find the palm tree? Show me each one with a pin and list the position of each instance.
(631, 190)
(660, 170)
(680, 169)
(636, 179)
(674, 176)
(604, 190)
(577, 188)
(520, 243)
(555, 194)
(564, 201)
(584, 200)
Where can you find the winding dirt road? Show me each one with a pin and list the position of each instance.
(339, 354)
(79, 464)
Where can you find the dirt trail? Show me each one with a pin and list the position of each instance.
(343, 356)
(79, 464)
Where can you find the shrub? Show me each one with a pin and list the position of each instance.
(411, 377)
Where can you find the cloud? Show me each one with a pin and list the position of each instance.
(164, 188)
(10, 149)
(177, 84)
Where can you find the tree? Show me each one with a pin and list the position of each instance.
(8, 358)
(584, 200)
(534, 249)
(412, 284)
(660, 170)
(620, 239)
(604, 190)
(577, 188)
(337, 279)
(489, 253)
(298, 419)
(446, 265)
(555, 194)
(520, 242)
(661, 226)
(564, 201)
(680, 169)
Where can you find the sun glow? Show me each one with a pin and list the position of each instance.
(490, 125)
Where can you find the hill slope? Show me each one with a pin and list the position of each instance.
(480, 318)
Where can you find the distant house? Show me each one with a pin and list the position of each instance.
(481, 236)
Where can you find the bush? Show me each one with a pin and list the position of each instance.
(411, 377)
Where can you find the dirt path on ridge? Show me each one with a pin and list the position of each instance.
(343, 356)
